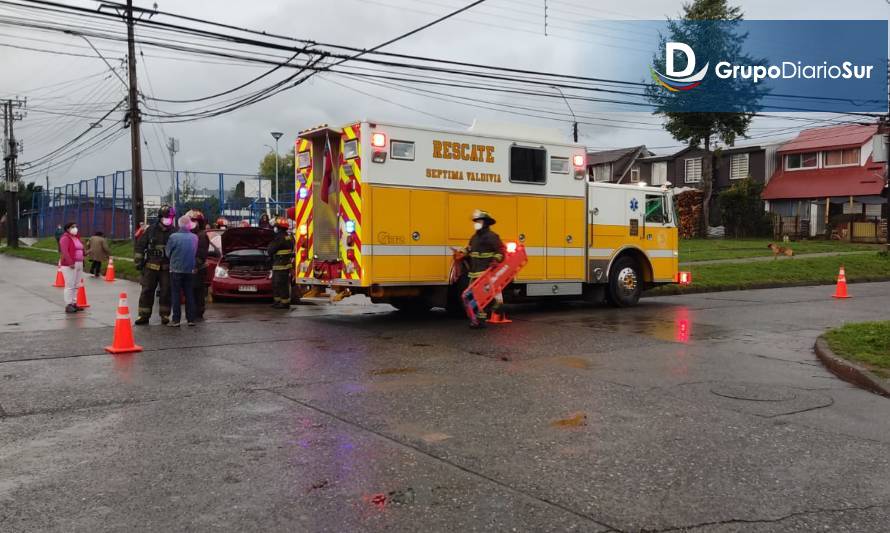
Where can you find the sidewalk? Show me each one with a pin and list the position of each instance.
(33, 304)
(770, 258)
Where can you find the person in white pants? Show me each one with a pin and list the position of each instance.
(71, 249)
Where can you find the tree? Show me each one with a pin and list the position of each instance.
(286, 176)
(705, 128)
(742, 210)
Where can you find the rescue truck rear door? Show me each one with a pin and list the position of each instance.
(325, 192)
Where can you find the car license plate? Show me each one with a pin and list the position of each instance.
(247, 288)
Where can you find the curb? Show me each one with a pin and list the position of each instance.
(849, 371)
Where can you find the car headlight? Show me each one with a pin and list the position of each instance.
(221, 272)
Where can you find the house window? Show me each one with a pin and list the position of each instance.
(635, 175)
(559, 165)
(738, 166)
(659, 173)
(693, 170)
(602, 172)
(841, 158)
(799, 161)
(528, 165)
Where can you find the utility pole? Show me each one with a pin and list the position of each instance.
(135, 144)
(173, 147)
(10, 154)
(277, 135)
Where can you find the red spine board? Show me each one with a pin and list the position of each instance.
(483, 289)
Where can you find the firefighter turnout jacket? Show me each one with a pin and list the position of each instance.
(281, 251)
(485, 247)
(150, 248)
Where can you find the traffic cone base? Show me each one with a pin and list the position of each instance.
(123, 330)
(841, 290)
(499, 318)
(82, 296)
(109, 272)
(60, 278)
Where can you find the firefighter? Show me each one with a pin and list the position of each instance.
(151, 259)
(485, 249)
(200, 285)
(281, 250)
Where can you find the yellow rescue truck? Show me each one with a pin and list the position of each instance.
(380, 207)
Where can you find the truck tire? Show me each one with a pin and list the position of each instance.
(410, 305)
(455, 305)
(625, 282)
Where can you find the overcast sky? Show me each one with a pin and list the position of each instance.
(498, 32)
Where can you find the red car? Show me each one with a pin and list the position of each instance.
(244, 269)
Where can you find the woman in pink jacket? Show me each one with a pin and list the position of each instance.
(72, 265)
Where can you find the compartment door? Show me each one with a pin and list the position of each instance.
(430, 257)
(556, 238)
(531, 216)
(390, 222)
(574, 240)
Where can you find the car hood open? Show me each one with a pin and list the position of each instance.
(246, 239)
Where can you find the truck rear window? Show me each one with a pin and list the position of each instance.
(528, 165)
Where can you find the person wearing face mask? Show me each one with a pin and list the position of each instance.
(203, 250)
(151, 259)
(72, 265)
(182, 247)
(281, 250)
(485, 249)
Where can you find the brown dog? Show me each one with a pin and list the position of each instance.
(780, 250)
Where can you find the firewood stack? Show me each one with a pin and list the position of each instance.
(689, 207)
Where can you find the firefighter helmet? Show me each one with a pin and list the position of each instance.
(479, 214)
(198, 218)
(166, 211)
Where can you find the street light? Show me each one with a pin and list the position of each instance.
(277, 135)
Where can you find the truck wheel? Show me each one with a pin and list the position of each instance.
(455, 305)
(410, 305)
(625, 282)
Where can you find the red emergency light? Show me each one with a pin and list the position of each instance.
(511, 247)
(578, 160)
(378, 140)
(684, 278)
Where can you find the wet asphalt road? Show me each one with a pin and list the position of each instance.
(702, 413)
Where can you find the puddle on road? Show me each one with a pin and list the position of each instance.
(678, 325)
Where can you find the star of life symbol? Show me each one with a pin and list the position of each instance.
(634, 204)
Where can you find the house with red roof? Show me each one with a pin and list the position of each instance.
(831, 181)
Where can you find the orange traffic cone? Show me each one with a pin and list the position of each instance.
(841, 290)
(499, 318)
(123, 330)
(109, 272)
(60, 279)
(82, 296)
